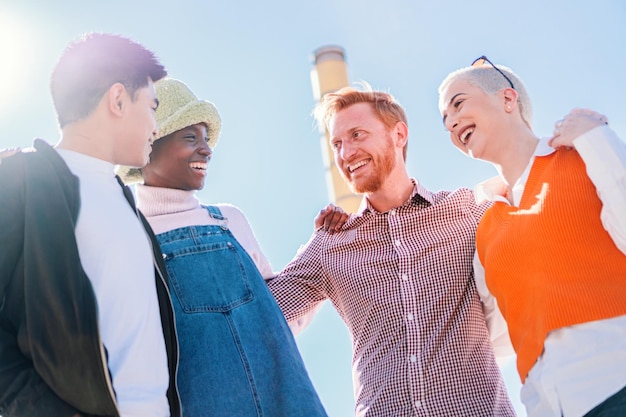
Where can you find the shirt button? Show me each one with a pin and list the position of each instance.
(392, 212)
(418, 404)
(398, 243)
(409, 316)
(413, 358)
(405, 277)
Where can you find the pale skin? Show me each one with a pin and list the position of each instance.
(359, 140)
(576, 123)
(490, 116)
(120, 130)
(330, 218)
(490, 127)
(6, 152)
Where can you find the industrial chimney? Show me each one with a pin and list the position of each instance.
(330, 74)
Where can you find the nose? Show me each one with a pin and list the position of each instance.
(204, 149)
(450, 123)
(347, 150)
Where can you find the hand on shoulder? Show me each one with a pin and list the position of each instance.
(574, 124)
(6, 152)
(331, 218)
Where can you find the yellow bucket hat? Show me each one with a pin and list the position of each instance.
(178, 109)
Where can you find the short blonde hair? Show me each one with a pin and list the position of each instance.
(491, 81)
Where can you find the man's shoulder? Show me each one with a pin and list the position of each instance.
(458, 194)
(31, 155)
(40, 165)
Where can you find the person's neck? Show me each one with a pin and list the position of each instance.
(516, 157)
(83, 138)
(395, 191)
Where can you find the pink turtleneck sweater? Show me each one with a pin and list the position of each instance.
(167, 209)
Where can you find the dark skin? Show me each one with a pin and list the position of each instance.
(179, 160)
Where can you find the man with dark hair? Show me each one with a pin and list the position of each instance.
(86, 325)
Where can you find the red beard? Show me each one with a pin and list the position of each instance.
(383, 165)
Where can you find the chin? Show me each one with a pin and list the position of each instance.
(144, 161)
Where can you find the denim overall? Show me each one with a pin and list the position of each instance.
(238, 357)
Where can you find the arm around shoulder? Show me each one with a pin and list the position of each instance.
(604, 154)
(300, 287)
(496, 324)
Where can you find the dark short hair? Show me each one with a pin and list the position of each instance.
(90, 65)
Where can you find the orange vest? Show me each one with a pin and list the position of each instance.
(549, 262)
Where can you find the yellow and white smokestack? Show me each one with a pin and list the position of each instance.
(330, 74)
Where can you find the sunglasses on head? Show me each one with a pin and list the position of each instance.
(483, 60)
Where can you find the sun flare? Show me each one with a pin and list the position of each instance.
(17, 52)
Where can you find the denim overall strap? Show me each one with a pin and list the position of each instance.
(216, 214)
(237, 356)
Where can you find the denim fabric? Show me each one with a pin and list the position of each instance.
(614, 406)
(237, 354)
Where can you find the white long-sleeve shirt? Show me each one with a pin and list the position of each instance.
(581, 365)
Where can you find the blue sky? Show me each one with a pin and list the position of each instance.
(253, 60)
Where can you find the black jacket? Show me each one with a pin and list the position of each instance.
(52, 361)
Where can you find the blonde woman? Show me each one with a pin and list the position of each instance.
(553, 244)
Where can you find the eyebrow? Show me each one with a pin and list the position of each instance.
(349, 132)
(453, 97)
(450, 102)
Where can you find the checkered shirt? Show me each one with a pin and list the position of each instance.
(403, 283)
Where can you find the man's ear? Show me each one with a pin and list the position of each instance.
(116, 98)
(402, 134)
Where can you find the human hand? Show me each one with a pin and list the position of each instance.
(6, 152)
(331, 218)
(576, 123)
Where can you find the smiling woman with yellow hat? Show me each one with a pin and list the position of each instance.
(238, 356)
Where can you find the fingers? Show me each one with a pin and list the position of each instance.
(557, 128)
(320, 219)
(331, 218)
(335, 221)
(576, 123)
(6, 152)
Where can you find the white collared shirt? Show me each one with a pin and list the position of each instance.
(581, 365)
